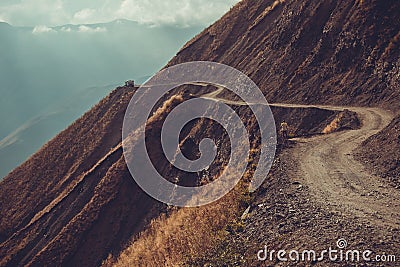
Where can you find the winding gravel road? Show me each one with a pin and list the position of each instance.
(326, 165)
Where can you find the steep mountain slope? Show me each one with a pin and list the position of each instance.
(75, 202)
(50, 204)
(339, 52)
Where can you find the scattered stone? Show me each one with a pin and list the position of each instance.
(245, 213)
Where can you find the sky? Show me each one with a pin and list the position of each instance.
(156, 12)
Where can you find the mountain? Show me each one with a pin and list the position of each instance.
(75, 203)
(43, 67)
(343, 52)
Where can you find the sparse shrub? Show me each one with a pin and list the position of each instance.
(345, 120)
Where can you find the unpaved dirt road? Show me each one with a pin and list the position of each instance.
(336, 180)
(327, 165)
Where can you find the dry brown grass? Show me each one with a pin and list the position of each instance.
(345, 120)
(184, 235)
(335, 125)
(332, 127)
(165, 108)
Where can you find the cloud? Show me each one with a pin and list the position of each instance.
(87, 29)
(184, 12)
(34, 12)
(83, 29)
(42, 29)
(155, 12)
(66, 29)
(84, 15)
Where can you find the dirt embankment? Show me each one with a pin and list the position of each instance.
(381, 153)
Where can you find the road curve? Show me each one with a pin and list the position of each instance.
(326, 164)
(336, 180)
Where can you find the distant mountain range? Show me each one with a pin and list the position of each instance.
(44, 73)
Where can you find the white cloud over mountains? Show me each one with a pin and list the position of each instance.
(156, 12)
(84, 28)
(80, 29)
(42, 29)
(33, 12)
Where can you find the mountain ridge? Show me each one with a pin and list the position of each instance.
(293, 67)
